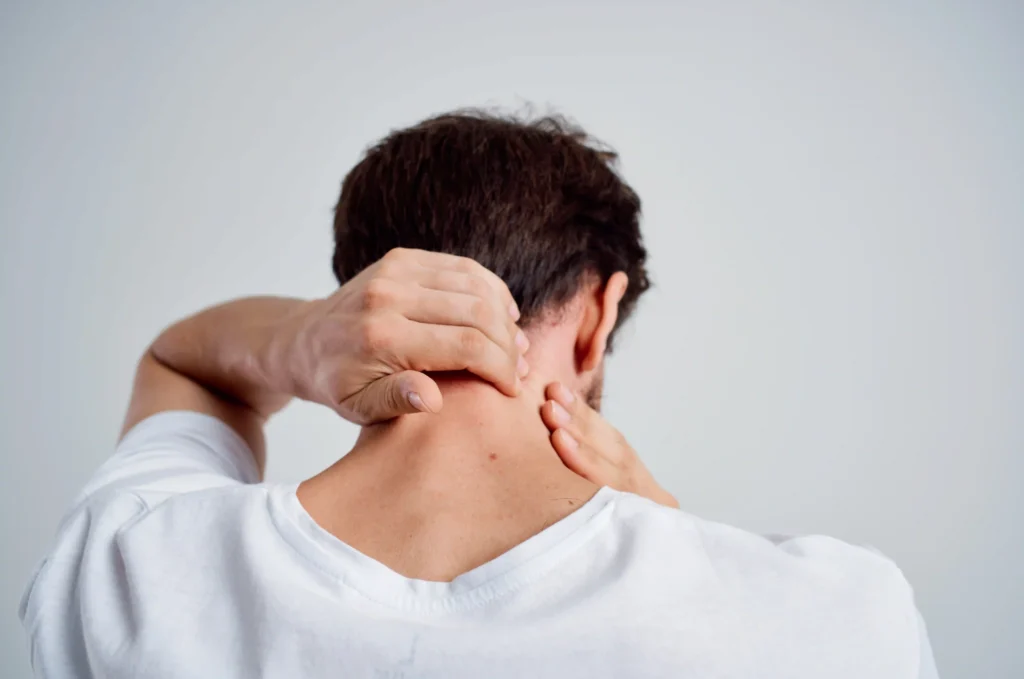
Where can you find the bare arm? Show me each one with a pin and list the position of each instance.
(219, 362)
(362, 351)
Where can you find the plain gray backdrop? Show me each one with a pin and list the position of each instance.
(833, 205)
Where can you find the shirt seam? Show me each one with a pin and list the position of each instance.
(32, 622)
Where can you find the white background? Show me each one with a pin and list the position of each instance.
(833, 204)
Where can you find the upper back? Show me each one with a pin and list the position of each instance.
(175, 562)
(241, 581)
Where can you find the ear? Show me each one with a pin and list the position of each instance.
(601, 313)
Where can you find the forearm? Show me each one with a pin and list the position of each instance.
(221, 362)
(229, 350)
(362, 351)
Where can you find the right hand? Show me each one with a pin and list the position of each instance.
(363, 350)
(590, 446)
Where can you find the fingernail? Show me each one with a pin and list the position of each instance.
(570, 442)
(522, 366)
(522, 342)
(513, 311)
(560, 414)
(416, 402)
(564, 394)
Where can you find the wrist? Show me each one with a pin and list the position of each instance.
(251, 350)
(274, 357)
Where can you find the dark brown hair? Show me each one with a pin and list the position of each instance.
(537, 202)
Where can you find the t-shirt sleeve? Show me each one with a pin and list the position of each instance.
(902, 589)
(175, 452)
(168, 454)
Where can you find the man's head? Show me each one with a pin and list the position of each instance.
(534, 201)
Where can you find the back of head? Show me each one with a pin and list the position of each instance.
(535, 201)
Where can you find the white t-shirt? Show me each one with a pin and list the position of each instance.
(175, 562)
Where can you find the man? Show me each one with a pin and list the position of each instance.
(487, 522)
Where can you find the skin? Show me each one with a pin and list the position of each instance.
(361, 351)
(590, 446)
(422, 349)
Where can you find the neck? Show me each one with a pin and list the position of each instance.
(481, 441)
(469, 482)
(476, 424)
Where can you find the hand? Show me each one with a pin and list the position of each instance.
(362, 351)
(594, 449)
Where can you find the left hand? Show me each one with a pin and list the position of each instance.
(594, 449)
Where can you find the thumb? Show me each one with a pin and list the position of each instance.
(400, 394)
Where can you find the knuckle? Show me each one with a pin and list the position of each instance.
(394, 262)
(377, 294)
(478, 286)
(466, 264)
(472, 343)
(374, 336)
(388, 268)
(445, 280)
(480, 313)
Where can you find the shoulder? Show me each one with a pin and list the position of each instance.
(97, 537)
(199, 520)
(738, 555)
(121, 555)
(816, 588)
(92, 537)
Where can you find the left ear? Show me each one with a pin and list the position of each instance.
(602, 314)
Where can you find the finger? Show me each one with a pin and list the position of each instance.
(445, 262)
(488, 312)
(398, 394)
(556, 391)
(556, 417)
(429, 347)
(399, 258)
(455, 303)
(577, 457)
(453, 308)
(445, 298)
(582, 415)
(468, 283)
